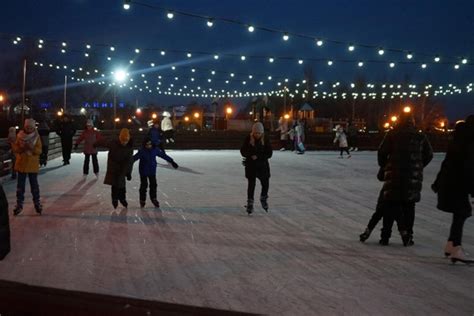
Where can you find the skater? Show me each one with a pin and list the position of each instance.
(119, 165)
(352, 134)
(27, 149)
(90, 136)
(147, 169)
(155, 134)
(11, 141)
(43, 131)
(403, 154)
(283, 129)
(341, 139)
(299, 138)
(454, 184)
(167, 127)
(66, 131)
(256, 151)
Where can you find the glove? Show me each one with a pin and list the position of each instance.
(75, 146)
(174, 164)
(129, 177)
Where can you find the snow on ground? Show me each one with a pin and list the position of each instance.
(201, 248)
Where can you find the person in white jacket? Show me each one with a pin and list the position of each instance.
(167, 127)
(342, 139)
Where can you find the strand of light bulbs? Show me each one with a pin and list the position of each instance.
(251, 28)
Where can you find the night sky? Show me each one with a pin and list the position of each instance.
(423, 27)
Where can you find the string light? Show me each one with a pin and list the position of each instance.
(126, 4)
(392, 65)
(137, 51)
(216, 57)
(351, 48)
(170, 15)
(437, 59)
(360, 64)
(286, 36)
(251, 28)
(210, 23)
(381, 51)
(464, 61)
(330, 62)
(271, 60)
(319, 42)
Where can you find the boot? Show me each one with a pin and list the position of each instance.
(365, 235)
(38, 208)
(448, 249)
(155, 203)
(142, 204)
(384, 241)
(124, 203)
(263, 201)
(249, 206)
(115, 203)
(458, 254)
(407, 239)
(17, 210)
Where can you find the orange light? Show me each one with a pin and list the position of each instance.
(60, 113)
(386, 125)
(154, 116)
(117, 119)
(1, 97)
(229, 110)
(196, 115)
(129, 120)
(186, 118)
(138, 111)
(442, 124)
(286, 116)
(407, 109)
(394, 118)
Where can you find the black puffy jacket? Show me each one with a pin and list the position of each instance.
(260, 167)
(403, 154)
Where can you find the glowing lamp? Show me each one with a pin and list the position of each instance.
(407, 109)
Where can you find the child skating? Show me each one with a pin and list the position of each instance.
(147, 168)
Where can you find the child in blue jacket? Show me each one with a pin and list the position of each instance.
(147, 169)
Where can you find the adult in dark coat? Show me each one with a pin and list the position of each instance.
(256, 151)
(66, 131)
(403, 154)
(454, 184)
(119, 165)
(43, 131)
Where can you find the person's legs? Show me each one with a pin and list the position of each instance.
(153, 189)
(95, 163)
(35, 191)
(376, 217)
(67, 149)
(115, 196)
(391, 213)
(250, 193)
(143, 188)
(20, 193)
(13, 166)
(123, 196)
(265, 182)
(457, 225)
(341, 150)
(85, 168)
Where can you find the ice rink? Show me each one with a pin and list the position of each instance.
(201, 248)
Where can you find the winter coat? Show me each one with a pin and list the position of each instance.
(166, 124)
(283, 128)
(341, 138)
(147, 157)
(403, 154)
(119, 162)
(43, 131)
(66, 130)
(90, 137)
(27, 161)
(260, 167)
(155, 136)
(299, 132)
(455, 180)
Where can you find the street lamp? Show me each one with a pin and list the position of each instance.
(119, 76)
(394, 119)
(2, 98)
(407, 109)
(196, 115)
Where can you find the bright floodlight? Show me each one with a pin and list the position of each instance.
(120, 75)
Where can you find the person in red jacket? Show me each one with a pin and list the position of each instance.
(90, 136)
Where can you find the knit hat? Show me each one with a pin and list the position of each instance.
(124, 136)
(257, 128)
(30, 123)
(90, 123)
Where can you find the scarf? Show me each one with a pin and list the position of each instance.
(28, 141)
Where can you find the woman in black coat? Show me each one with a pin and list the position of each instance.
(256, 151)
(119, 165)
(454, 183)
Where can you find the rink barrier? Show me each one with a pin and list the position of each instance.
(222, 140)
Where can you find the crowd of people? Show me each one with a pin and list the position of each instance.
(402, 156)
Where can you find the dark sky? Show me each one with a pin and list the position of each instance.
(432, 27)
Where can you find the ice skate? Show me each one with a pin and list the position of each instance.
(17, 210)
(458, 254)
(115, 203)
(142, 204)
(365, 235)
(249, 207)
(155, 203)
(39, 208)
(124, 203)
(448, 249)
(383, 242)
(263, 201)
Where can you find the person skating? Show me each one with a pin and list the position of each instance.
(256, 151)
(66, 131)
(147, 168)
(43, 131)
(167, 127)
(352, 135)
(155, 133)
(11, 141)
(119, 165)
(27, 149)
(341, 140)
(90, 136)
(283, 129)
(299, 137)
(403, 154)
(454, 184)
